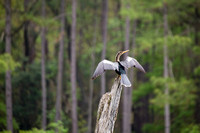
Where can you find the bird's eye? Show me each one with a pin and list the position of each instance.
(134, 66)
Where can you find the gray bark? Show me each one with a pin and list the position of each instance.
(131, 77)
(90, 97)
(91, 81)
(26, 35)
(104, 36)
(9, 113)
(167, 107)
(108, 109)
(60, 64)
(43, 76)
(73, 69)
(126, 95)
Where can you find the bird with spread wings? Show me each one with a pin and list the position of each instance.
(120, 67)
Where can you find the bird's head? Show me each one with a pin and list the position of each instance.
(119, 54)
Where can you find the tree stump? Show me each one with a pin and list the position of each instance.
(108, 109)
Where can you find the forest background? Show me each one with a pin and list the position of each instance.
(49, 50)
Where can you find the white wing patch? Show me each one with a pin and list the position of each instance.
(108, 65)
(131, 62)
(103, 66)
(129, 59)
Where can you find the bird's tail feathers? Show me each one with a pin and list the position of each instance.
(125, 81)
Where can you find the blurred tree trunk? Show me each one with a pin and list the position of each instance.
(91, 95)
(126, 118)
(131, 77)
(73, 69)
(197, 61)
(30, 36)
(60, 64)
(26, 39)
(104, 36)
(196, 26)
(43, 76)
(9, 113)
(167, 107)
(91, 81)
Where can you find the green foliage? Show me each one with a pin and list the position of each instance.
(51, 69)
(181, 99)
(5, 131)
(135, 9)
(182, 91)
(82, 124)
(58, 126)
(2, 115)
(152, 128)
(177, 40)
(41, 21)
(34, 130)
(26, 105)
(196, 50)
(3, 122)
(7, 63)
(197, 71)
(63, 125)
(191, 129)
(52, 129)
(142, 91)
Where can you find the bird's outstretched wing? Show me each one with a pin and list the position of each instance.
(103, 66)
(131, 62)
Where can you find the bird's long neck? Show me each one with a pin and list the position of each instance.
(119, 54)
(117, 58)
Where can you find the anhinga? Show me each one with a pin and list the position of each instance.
(120, 67)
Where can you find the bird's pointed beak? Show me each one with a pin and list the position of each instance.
(125, 51)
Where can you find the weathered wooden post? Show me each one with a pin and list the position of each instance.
(108, 109)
